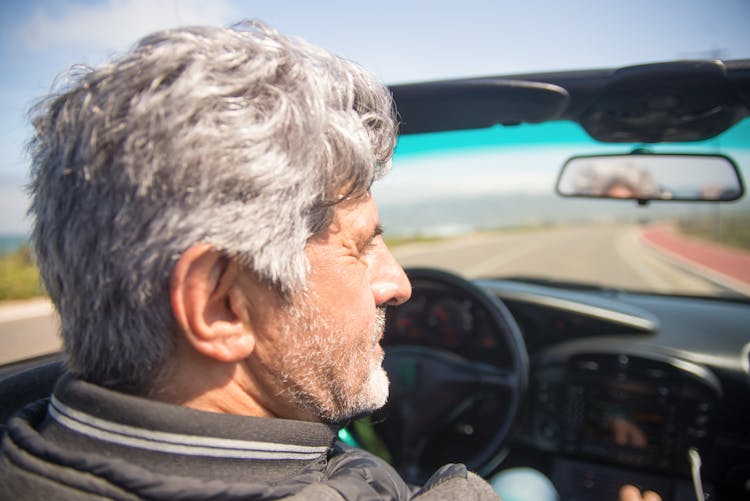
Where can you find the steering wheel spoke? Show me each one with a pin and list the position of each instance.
(499, 378)
(419, 370)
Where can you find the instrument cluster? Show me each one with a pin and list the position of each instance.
(440, 319)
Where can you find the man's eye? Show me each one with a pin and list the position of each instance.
(368, 247)
(371, 243)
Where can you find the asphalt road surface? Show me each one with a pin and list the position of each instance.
(610, 255)
(27, 329)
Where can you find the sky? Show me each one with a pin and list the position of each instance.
(399, 40)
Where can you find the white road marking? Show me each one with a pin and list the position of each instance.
(22, 310)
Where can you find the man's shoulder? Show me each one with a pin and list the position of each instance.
(30, 464)
(356, 473)
(353, 471)
(28, 468)
(454, 481)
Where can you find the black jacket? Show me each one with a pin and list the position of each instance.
(88, 442)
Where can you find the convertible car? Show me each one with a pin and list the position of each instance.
(578, 247)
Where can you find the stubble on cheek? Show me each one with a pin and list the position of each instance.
(333, 373)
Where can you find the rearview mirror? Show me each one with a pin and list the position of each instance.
(651, 176)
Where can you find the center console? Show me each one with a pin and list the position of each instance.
(624, 409)
(622, 418)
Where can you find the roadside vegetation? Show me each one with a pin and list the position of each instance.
(19, 276)
(729, 229)
(395, 241)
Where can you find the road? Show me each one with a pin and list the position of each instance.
(611, 255)
(726, 265)
(27, 329)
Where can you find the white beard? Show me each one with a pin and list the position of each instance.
(375, 389)
(327, 372)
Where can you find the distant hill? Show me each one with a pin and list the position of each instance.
(10, 243)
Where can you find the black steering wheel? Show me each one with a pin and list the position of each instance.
(458, 368)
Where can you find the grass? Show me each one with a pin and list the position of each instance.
(393, 241)
(729, 229)
(19, 276)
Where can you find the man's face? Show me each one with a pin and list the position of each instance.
(325, 355)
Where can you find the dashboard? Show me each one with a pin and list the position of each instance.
(440, 317)
(622, 387)
(632, 410)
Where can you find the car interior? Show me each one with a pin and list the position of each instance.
(594, 384)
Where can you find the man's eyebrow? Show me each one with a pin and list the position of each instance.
(376, 232)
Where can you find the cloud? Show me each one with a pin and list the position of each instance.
(115, 24)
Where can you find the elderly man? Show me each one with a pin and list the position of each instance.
(204, 226)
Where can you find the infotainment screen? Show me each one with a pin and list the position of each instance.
(626, 418)
(636, 411)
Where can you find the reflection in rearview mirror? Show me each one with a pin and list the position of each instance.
(647, 176)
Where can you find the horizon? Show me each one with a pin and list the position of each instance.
(397, 41)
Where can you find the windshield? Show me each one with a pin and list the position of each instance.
(482, 203)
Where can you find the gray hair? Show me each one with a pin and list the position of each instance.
(241, 138)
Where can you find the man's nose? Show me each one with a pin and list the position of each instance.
(390, 285)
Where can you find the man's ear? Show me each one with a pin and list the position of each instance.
(209, 306)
